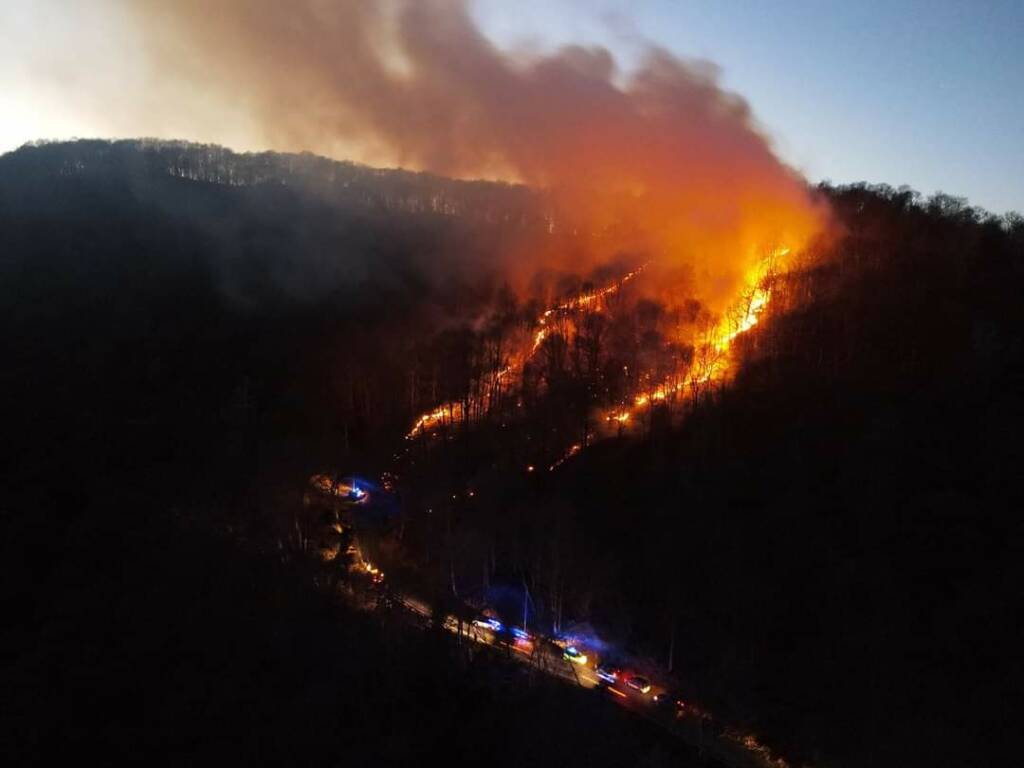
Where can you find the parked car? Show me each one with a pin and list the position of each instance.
(572, 655)
(488, 622)
(608, 672)
(639, 683)
(669, 701)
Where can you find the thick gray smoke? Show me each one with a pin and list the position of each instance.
(416, 83)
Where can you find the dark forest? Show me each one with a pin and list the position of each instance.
(823, 549)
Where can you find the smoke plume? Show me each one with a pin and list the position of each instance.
(660, 152)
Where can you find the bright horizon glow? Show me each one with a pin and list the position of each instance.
(902, 92)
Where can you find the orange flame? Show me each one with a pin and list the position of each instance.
(744, 315)
(449, 413)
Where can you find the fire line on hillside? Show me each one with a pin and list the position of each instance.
(713, 362)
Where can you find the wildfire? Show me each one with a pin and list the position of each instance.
(582, 301)
(590, 298)
(448, 413)
(375, 574)
(538, 339)
(445, 413)
(657, 395)
(715, 360)
(757, 304)
(752, 303)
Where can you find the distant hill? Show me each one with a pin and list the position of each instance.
(343, 184)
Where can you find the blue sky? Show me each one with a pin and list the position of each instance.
(929, 94)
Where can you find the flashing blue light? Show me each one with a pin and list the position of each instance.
(571, 650)
(522, 634)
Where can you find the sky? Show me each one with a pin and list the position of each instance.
(928, 93)
(911, 92)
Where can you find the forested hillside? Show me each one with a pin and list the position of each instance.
(178, 304)
(835, 541)
(824, 545)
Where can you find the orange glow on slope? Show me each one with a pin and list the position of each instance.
(450, 413)
(591, 297)
(445, 413)
(715, 361)
(758, 301)
(538, 339)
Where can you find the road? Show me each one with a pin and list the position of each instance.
(723, 746)
(728, 749)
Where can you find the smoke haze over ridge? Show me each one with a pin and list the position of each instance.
(660, 151)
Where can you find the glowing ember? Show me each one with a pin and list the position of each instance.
(753, 745)
(573, 450)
